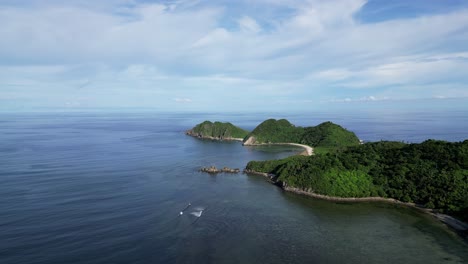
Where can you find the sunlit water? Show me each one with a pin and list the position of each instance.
(109, 188)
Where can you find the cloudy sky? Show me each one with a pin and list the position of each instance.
(201, 55)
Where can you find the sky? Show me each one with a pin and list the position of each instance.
(244, 55)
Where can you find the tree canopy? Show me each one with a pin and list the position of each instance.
(217, 130)
(326, 135)
(432, 173)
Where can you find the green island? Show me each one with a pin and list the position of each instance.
(218, 131)
(323, 138)
(432, 175)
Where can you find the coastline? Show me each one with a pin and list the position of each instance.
(308, 150)
(460, 227)
(215, 138)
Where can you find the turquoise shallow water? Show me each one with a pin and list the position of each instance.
(108, 188)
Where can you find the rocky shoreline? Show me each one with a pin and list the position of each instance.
(460, 227)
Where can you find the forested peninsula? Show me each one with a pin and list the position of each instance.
(432, 174)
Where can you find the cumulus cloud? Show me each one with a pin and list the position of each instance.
(295, 49)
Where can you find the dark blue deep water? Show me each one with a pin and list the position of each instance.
(108, 188)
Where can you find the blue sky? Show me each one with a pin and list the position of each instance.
(252, 55)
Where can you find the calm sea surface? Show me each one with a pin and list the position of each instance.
(109, 188)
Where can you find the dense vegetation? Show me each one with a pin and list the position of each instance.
(217, 130)
(276, 131)
(329, 134)
(325, 135)
(433, 173)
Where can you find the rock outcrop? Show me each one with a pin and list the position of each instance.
(213, 170)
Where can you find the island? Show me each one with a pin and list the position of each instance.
(217, 131)
(322, 138)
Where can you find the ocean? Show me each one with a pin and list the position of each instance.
(109, 188)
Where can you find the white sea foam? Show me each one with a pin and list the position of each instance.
(197, 213)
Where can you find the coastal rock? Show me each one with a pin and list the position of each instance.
(213, 170)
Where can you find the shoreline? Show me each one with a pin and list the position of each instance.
(458, 226)
(308, 150)
(215, 138)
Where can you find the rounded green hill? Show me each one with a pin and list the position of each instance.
(326, 135)
(218, 131)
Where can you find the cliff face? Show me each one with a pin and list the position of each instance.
(218, 131)
(250, 140)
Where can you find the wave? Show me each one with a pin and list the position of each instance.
(197, 213)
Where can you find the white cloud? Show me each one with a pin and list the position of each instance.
(214, 37)
(183, 100)
(76, 34)
(315, 50)
(249, 25)
(332, 74)
(414, 70)
(370, 98)
(320, 35)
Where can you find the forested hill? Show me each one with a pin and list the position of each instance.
(433, 173)
(217, 130)
(275, 131)
(326, 134)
